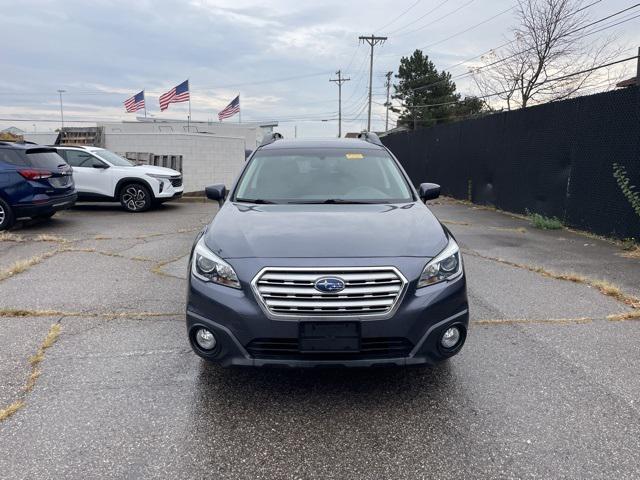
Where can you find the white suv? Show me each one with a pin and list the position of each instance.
(101, 175)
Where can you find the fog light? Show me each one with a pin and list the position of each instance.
(450, 338)
(205, 339)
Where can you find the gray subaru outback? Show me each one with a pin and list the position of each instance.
(323, 254)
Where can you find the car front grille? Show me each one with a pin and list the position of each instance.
(288, 348)
(368, 291)
(176, 181)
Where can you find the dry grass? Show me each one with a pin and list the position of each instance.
(10, 237)
(157, 268)
(512, 321)
(50, 339)
(22, 265)
(16, 312)
(620, 317)
(35, 361)
(513, 230)
(102, 237)
(633, 253)
(33, 378)
(454, 222)
(11, 409)
(50, 238)
(605, 287)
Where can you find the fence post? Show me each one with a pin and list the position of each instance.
(638, 69)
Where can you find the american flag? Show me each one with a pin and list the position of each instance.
(230, 110)
(135, 103)
(175, 95)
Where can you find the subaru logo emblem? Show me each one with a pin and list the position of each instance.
(329, 285)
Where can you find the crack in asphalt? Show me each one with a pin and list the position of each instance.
(602, 286)
(34, 361)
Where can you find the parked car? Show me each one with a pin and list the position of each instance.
(35, 182)
(323, 253)
(103, 176)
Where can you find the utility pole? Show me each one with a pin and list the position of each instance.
(388, 85)
(638, 69)
(60, 92)
(339, 81)
(372, 41)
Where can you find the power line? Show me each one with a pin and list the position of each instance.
(472, 27)
(419, 18)
(457, 34)
(387, 104)
(372, 40)
(497, 62)
(399, 16)
(259, 82)
(549, 80)
(435, 20)
(339, 81)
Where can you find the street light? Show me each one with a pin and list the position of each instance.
(60, 92)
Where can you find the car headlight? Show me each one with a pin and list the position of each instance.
(445, 266)
(207, 266)
(159, 177)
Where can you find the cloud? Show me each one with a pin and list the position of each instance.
(105, 51)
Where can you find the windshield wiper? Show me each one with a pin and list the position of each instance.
(254, 200)
(332, 200)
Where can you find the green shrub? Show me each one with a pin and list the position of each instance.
(629, 244)
(628, 190)
(544, 223)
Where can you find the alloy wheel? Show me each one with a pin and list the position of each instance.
(2, 214)
(134, 198)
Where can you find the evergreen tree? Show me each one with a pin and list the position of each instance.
(437, 89)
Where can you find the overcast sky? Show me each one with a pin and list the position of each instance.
(279, 58)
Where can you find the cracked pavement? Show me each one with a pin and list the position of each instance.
(546, 387)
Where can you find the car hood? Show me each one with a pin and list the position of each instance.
(242, 230)
(153, 170)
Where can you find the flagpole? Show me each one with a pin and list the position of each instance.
(145, 103)
(189, 117)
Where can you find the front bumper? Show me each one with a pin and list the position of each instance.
(236, 319)
(164, 191)
(45, 207)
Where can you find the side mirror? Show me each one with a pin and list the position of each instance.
(100, 165)
(216, 192)
(429, 191)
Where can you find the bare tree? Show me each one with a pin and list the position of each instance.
(551, 42)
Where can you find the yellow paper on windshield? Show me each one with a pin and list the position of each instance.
(354, 156)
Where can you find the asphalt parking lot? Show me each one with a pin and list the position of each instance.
(547, 385)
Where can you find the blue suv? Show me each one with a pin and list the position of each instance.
(323, 254)
(35, 182)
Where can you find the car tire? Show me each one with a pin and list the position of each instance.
(6, 216)
(135, 197)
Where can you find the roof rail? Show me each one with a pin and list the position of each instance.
(370, 137)
(270, 138)
(13, 142)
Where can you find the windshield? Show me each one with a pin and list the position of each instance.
(113, 158)
(48, 159)
(323, 176)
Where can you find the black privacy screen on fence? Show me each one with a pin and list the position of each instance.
(554, 159)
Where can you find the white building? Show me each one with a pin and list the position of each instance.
(212, 152)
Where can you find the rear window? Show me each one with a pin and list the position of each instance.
(12, 157)
(48, 159)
